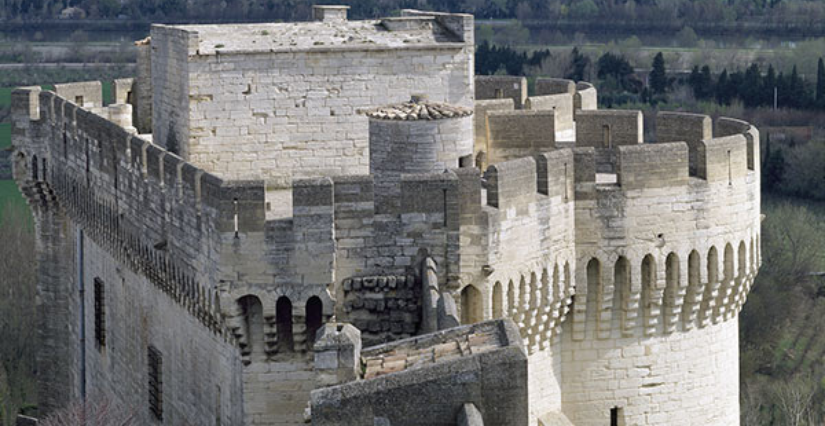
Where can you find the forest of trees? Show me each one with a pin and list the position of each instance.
(796, 13)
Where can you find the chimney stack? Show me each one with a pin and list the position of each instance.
(329, 13)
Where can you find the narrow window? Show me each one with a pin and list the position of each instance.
(283, 318)
(88, 160)
(616, 416)
(129, 99)
(65, 140)
(35, 172)
(100, 313)
(78, 100)
(314, 318)
(155, 382)
(235, 218)
(499, 94)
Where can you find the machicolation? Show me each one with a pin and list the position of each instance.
(336, 222)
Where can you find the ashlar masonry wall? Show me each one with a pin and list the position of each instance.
(666, 258)
(201, 371)
(291, 112)
(145, 224)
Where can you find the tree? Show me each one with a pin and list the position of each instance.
(686, 37)
(578, 65)
(749, 91)
(706, 83)
(17, 313)
(820, 83)
(658, 76)
(768, 87)
(773, 167)
(102, 413)
(701, 81)
(796, 401)
(799, 97)
(583, 9)
(724, 89)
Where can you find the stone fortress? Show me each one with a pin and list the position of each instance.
(336, 222)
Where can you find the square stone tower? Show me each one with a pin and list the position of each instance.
(276, 101)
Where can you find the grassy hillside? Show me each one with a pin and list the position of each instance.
(5, 135)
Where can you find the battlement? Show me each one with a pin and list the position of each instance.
(156, 212)
(631, 163)
(88, 148)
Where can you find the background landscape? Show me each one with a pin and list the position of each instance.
(755, 59)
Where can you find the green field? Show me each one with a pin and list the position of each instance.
(5, 135)
(10, 196)
(5, 97)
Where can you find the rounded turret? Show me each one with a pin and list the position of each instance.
(415, 137)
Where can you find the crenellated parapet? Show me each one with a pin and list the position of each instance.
(622, 204)
(155, 213)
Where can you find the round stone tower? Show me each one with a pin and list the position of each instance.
(415, 137)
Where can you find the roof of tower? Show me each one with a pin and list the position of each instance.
(418, 109)
(299, 36)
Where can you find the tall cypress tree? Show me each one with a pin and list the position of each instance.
(797, 88)
(723, 92)
(768, 85)
(658, 76)
(750, 86)
(706, 84)
(695, 82)
(820, 83)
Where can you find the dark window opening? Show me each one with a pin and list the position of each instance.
(78, 100)
(88, 159)
(616, 416)
(129, 99)
(314, 318)
(100, 313)
(283, 318)
(155, 382)
(499, 94)
(65, 141)
(35, 172)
